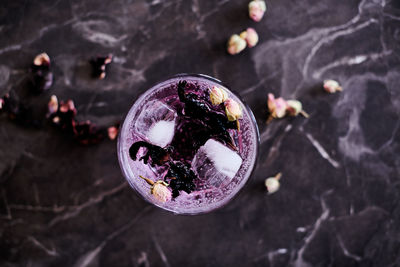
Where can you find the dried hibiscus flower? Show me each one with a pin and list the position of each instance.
(41, 75)
(156, 154)
(181, 178)
(17, 110)
(99, 66)
(63, 113)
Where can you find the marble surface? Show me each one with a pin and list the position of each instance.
(62, 204)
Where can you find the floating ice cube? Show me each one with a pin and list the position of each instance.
(161, 133)
(216, 164)
(156, 123)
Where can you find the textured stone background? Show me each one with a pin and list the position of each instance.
(62, 204)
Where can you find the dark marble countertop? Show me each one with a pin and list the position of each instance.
(63, 204)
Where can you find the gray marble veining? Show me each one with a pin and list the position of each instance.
(62, 204)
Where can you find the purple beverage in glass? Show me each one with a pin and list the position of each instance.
(182, 153)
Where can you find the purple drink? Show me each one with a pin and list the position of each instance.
(187, 143)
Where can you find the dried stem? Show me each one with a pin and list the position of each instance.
(305, 114)
(150, 182)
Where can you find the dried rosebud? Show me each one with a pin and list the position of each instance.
(86, 133)
(332, 86)
(236, 44)
(272, 183)
(295, 108)
(161, 192)
(1, 103)
(218, 95)
(67, 106)
(257, 9)
(99, 66)
(251, 37)
(52, 105)
(56, 120)
(159, 189)
(233, 110)
(41, 76)
(112, 132)
(277, 106)
(42, 60)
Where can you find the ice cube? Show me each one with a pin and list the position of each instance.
(216, 164)
(156, 123)
(161, 133)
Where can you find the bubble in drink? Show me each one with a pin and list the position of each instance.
(216, 164)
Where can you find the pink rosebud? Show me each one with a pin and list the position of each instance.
(295, 108)
(159, 189)
(112, 132)
(272, 183)
(66, 106)
(52, 105)
(332, 86)
(233, 110)
(42, 59)
(251, 36)
(277, 106)
(218, 95)
(257, 9)
(161, 192)
(236, 44)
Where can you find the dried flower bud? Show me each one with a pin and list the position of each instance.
(332, 86)
(41, 76)
(295, 108)
(112, 132)
(42, 60)
(218, 95)
(161, 192)
(277, 106)
(233, 110)
(52, 105)
(159, 189)
(236, 44)
(1, 103)
(67, 106)
(251, 37)
(272, 183)
(257, 9)
(56, 120)
(99, 66)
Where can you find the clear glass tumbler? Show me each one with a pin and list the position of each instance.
(157, 117)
